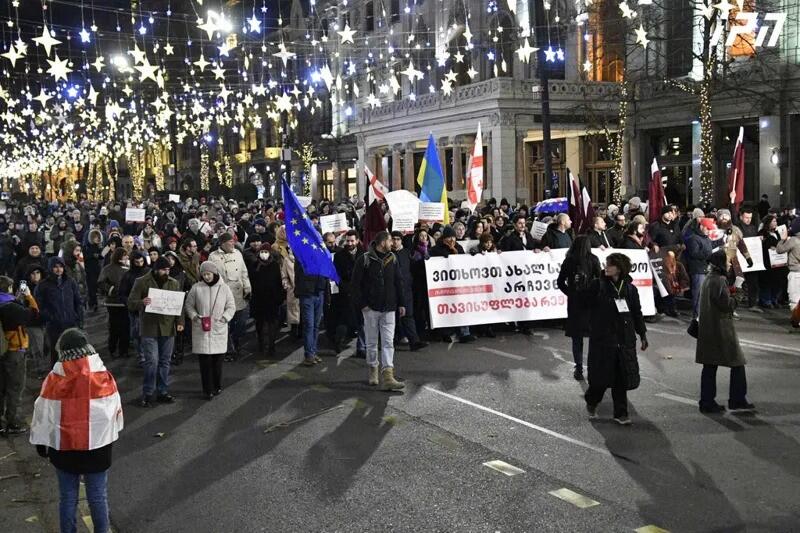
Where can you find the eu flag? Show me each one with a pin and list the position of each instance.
(431, 178)
(304, 240)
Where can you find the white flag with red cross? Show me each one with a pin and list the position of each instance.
(475, 172)
(78, 408)
(377, 190)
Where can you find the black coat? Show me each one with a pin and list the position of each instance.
(404, 262)
(377, 282)
(513, 242)
(308, 284)
(698, 250)
(78, 461)
(59, 302)
(664, 234)
(572, 279)
(268, 293)
(612, 344)
(616, 235)
(600, 238)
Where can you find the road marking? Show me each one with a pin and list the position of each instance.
(578, 500)
(675, 398)
(502, 354)
(525, 423)
(744, 342)
(650, 529)
(503, 467)
(664, 331)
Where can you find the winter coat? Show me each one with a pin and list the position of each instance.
(287, 278)
(268, 293)
(440, 250)
(616, 234)
(151, 324)
(404, 263)
(628, 243)
(217, 302)
(92, 255)
(554, 239)
(233, 272)
(24, 265)
(513, 242)
(698, 249)
(59, 300)
(109, 281)
(377, 282)
(612, 343)
(16, 316)
(571, 281)
(308, 284)
(190, 266)
(791, 246)
(717, 342)
(664, 234)
(600, 238)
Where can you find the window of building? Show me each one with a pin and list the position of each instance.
(598, 163)
(605, 49)
(352, 181)
(540, 186)
(327, 184)
(680, 15)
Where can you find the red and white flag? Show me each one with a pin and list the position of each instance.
(78, 408)
(656, 200)
(736, 173)
(377, 190)
(475, 172)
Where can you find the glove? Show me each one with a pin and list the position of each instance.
(749, 262)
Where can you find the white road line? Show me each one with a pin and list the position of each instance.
(744, 342)
(525, 423)
(675, 398)
(502, 354)
(503, 467)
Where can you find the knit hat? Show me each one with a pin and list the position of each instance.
(666, 209)
(635, 202)
(255, 237)
(160, 263)
(225, 237)
(208, 266)
(260, 222)
(723, 213)
(448, 231)
(53, 261)
(697, 213)
(73, 344)
(113, 224)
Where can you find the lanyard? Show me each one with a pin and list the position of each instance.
(618, 289)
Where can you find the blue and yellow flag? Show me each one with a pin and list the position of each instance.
(431, 179)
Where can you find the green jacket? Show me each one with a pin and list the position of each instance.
(151, 324)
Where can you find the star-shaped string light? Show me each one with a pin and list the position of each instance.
(42, 98)
(641, 36)
(146, 70)
(12, 55)
(201, 63)
(373, 101)
(98, 63)
(283, 102)
(346, 34)
(524, 52)
(46, 40)
(168, 49)
(284, 54)
(411, 73)
(627, 12)
(255, 24)
(472, 73)
(59, 68)
(138, 55)
(219, 72)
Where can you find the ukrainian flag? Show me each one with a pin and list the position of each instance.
(431, 179)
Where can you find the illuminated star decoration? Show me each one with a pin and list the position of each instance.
(372, 101)
(59, 68)
(284, 54)
(587, 66)
(98, 63)
(202, 63)
(12, 55)
(346, 34)
(472, 73)
(43, 97)
(46, 40)
(209, 27)
(85, 35)
(219, 72)
(255, 24)
(550, 54)
(641, 36)
(627, 12)
(284, 102)
(459, 57)
(138, 55)
(147, 71)
(524, 52)
(411, 73)
(168, 49)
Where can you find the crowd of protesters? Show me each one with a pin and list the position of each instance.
(63, 261)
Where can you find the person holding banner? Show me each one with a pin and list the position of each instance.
(616, 319)
(446, 246)
(579, 269)
(749, 228)
(734, 240)
(769, 280)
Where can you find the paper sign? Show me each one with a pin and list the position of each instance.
(304, 201)
(753, 245)
(404, 207)
(165, 302)
(134, 215)
(538, 230)
(175, 198)
(468, 244)
(782, 231)
(333, 223)
(659, 275)
(431, 211)
(777, 260)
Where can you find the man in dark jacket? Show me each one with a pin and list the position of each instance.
(377, 289)
(60, 303)
(749, 228)
(698, 250)
(310, 290)
(557, 235)
(408, 327)
(446, 246)
(349, 320)
(597, 235)
(519, 239)
(663, 231)
(617, 233)
(93, 263)
(34, 257)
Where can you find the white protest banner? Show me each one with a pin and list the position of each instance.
(753, 245)
(777, 260)
(304, 201)
(175, 198)
(538, 230)
(404, 206)
(782, 231)
(333, 223)
(134, 215)
(165, 302)
(466, 290)
(431, 211)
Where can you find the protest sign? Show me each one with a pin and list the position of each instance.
(659, 275)
(134, 215)
(431, 211)
(404, 207)
(466, 290)
(538, 230)
(782, 231)
(333, 223)
(304, 201)
(777, 260)
(165, 302)
(468, 244)
(753, 245)
(175, 198)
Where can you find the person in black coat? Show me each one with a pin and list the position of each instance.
(349, 320)
(60, 304)
(749, 228)
(664, 231)
(34, 257)
(93, 263)
(770, 279)
(579, 269)
(616, 320)
(519, 239)
(267, 296)
(446, 246)
(597, 235)
(616, 234)
(407, 326)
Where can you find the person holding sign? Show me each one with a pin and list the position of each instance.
(790, 246)
(749, 228)
(616, 320)
(769, 280)
(157, 332)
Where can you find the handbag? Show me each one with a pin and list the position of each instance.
(205, 321)
(693, 329)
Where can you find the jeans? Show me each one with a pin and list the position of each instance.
(311, 315)
(12, 383)
(697, 282)
(577, 351)
(408, 328)
(379, 325)
(157, 353)
(737, 394)
(96, 496)
(237, 329)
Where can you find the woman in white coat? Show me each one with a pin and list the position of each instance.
(210, 306)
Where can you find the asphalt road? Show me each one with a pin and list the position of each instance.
(286, 448)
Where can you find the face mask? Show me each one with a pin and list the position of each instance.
(263, 256)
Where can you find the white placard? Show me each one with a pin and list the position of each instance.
(134, 215)
(538, 230)
(431, 211)
(404, 206)
(466, 290)
(777, 260)
(165, 302)
(753, 245)
(333, 223)
(304, 201)
(782, 231)
(468, 244)
(175, 198)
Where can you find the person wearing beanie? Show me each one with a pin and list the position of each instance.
(118, 318)
(268, 297)
(157, 332)
(233, 271)
(210, 306)
(663, 232)
(60, 304)
(717, 342)
(78, 440)
(34, 257)
(250, 253)
(444, 247)
(734, 241)
(36, 340)
(137, 268)
(698, 250)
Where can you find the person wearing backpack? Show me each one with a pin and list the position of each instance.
(16, 313)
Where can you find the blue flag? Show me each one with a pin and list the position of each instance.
(304, 240)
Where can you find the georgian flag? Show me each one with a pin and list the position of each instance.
(475, 172)
(78, 408)
(377, 190)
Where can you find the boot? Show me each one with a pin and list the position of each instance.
(373, 375)
(389, 383)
